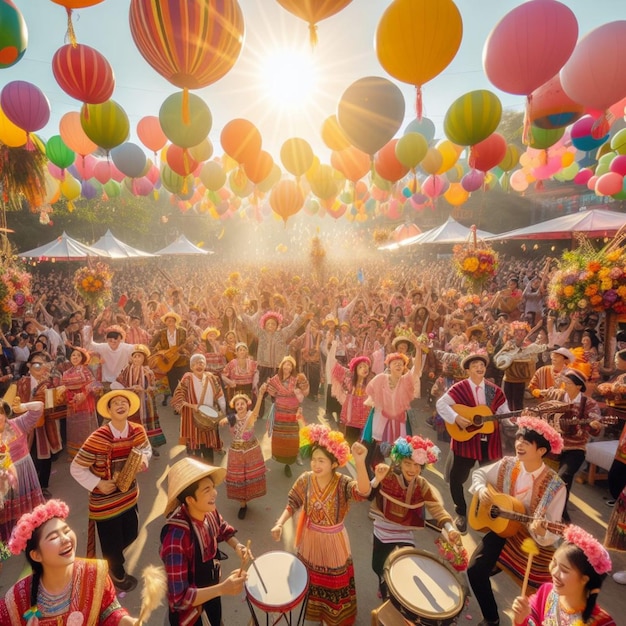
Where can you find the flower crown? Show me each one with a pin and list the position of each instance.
(357, 360)
(239, 396)
(416, 448)
(544, 429)
(593, 550)
(270, 315)
(27, 524)
(331, 440)
(396, 355)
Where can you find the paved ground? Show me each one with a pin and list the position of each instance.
(588, 510)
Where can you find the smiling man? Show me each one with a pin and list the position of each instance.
(97, 466)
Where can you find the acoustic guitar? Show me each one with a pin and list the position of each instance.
(163, 360)
(504, 516)
(483, 421)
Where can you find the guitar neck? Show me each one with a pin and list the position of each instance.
(500, 416)
(554, 527)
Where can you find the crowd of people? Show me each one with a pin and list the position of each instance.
(516, 389)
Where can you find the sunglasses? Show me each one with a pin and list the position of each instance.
(37, 365)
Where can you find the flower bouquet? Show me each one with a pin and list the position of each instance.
(14, 290)
(93, 284)
(476, 261)
(454, 553)
(231, 292)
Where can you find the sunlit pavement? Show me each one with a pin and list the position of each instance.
(587, 509)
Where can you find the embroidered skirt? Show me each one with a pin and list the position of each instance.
(245, 472)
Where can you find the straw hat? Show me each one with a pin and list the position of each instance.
(401, 339)
(116, 329)
(186, 472)
(207, 331)
(86, 356)
(465, 363)
(476, 328)
(173, 314)
(140, 347)
(131, 396)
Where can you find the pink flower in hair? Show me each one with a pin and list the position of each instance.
(593, 550)
(545, 430)
(27, 524)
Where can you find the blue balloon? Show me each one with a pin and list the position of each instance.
(425, 127)
(587, 143)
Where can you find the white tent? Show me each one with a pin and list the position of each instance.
(118, 249)
(63, 248)
(182, 246)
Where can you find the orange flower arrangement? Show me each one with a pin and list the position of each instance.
(93, 284)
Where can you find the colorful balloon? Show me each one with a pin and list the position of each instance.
(286, 199)
(313, 12)
(267, 183)
(74, 136)
(387, 164)
(581, 134)
(13, 34)
(203, 151)
(129, 159)
(424, 127)
(332, 135)
(212, 176)
(370, 113)
(552, 108)
(191, 43)
(83, 73)
(10, 134)
(185, 119)
(488, 153)
(609, 184)
(529, 45)
(542, 139)
(241, 140)
(323, 183)
(25, 105)
(411, 149)
(472, 117)
(105, 124)
(77, 4)
(150, 133)
(351, 162)
(260, 168)
(296, 155)
(58, 153)
(417, 39)
(102, 172)
(456, 195)
(432, 162)
(511, 158)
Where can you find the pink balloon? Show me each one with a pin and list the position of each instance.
(529, 45)
(116, 174)
(25, 105)
(609, 184)
(618, 165)
(473, 180)
(85, 166)
(595, 74)
(583, 176)
(142, 186)
(56, 172)
(153, 174)
(435, 186)
(518, 181)
(591, 183)
(102, 171)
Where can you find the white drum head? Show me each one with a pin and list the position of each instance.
(208, 411)
(285, 577)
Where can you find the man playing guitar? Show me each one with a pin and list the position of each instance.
(483, 447)
(542, 493)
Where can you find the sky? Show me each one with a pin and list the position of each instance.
(345, 53)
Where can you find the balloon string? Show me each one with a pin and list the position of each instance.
(527, 135)
(418, 102)
(186, 117)
(313, 35)
(71, 35)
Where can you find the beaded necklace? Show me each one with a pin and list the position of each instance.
(51, 604)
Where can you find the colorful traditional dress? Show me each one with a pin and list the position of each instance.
(245, 469)
(28, 493)
(244, 376)
(323, 545)
(288, 395)
(142, 376)
(352, 398)
(82, 419)
(92, 599)
(545, 611)
(616, 531)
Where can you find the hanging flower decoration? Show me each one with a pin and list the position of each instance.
(93, 284)
(591, 279)
(477, 264)
(14, 290)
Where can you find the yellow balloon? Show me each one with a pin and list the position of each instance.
(450, 155)
(10, 134)
(70, 187)
(411, 149)
(511, 158)
(567, 159)
(203, 151)
(456, 195)
(432, 161)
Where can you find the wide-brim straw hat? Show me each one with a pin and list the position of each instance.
(131, 396)
(173, 314)
(465, 363)
(140, 347)
(186, 472)
(401, 339)
(207, 331)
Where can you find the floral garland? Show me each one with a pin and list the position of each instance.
(419, 449)
(544, 429)
(93, 284)
(594, 551)
(14, 291)
(476, 263)
(275, 315)
(455, 554)
(590, 279)
(26, 525)
(331, 440)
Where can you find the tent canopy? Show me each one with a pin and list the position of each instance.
(118, 249)
(63, 248)
(594, 223)
(182, 246)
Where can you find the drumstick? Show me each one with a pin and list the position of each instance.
(244, 559)
(531, 549)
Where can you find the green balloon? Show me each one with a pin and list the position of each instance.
(58, 153)
(543, 138)
(13, 34)
(185, 119)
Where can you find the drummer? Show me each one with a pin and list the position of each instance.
(189, 539)
(399, 494)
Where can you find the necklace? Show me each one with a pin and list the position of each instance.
(51, 604)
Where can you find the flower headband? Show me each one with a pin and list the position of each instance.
(239, 396)
(331, 440)
(27, 524)
(544, 429)
(394, 356)
(593, 550)
(270, 315)
(418, 449)
(357, 360)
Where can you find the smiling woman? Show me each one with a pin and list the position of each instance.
(288, 77)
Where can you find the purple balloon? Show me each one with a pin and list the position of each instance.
(88, 190)
(142, 186)
(473, 180)
(25, 105)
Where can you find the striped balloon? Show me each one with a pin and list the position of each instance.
(105, 124)
(83, 73)
(191, 43)
(25, 105)
(472, 117)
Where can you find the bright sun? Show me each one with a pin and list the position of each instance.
(289, 78)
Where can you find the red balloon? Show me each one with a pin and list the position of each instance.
(241, 140)
(102, 171)
(552, 108)
(488, 153)
(77, 4)
(150, 133)
(259, 168)
(351, 162)
(387, 164)
(180, 160)
(25, 105)
(83, 73)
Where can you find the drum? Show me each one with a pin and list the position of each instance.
(206, 417)
(424, 588)
(285, 578)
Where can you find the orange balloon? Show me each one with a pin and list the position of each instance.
(351, 162)
(332, 135)
(150, 133)
(72, 133)
(313, 11)
(241, 140)
(387, 164)
(286, 199)
(259, 168)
